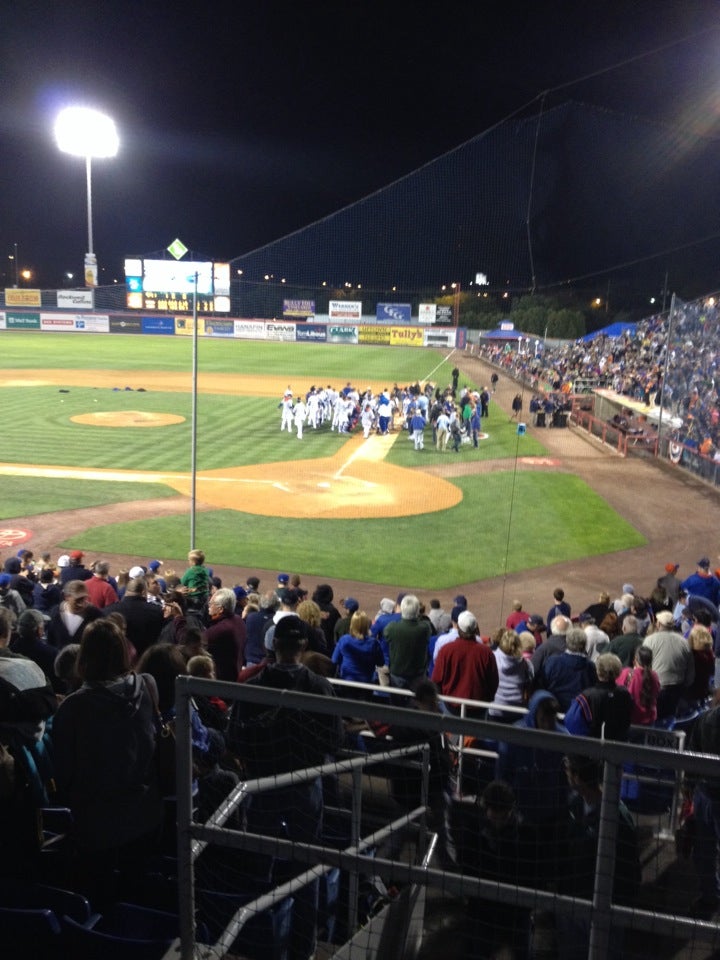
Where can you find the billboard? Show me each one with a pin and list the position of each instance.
(342, 334)
(345, 310)
(299, 308)
(427, 312)
(250, 329)
(76, 299)
(311, 333)
(393, 313)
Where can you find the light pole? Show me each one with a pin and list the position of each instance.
(84, 132)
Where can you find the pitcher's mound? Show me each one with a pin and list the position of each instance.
(127, 418)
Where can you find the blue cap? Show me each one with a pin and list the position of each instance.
(283, 578)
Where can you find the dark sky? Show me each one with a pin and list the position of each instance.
(242, 122)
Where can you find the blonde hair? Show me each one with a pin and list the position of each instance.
(360, 624)
(201, 665)
(309, 612)
(510, 644)
(196, 557)
(700, 638)
(527, 642)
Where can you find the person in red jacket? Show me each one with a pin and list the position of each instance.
(226, 635)
(466, 668)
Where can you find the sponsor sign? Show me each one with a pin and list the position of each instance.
(298, 308)
(280, 331)
(184, 326)
(250, 329)
(2, 320)
(444, 315)
(11, 536)
(427, 312)
(312, 333)
(83, 323)
(15, 297)
(53, 322)
(342, 334)
(219, 328)
(22, 321)
(125, 325)
(345, 310)
(393, 313)
(163, 326)
(439, 338)
(407, 337)
(377, 335)
(76, 299)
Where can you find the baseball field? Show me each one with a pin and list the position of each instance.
(103, 424)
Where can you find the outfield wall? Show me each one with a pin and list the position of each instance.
(287, 331)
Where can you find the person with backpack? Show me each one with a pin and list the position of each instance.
(271, 740)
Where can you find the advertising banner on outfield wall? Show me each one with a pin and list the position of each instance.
(376, 335)
(393, 313)
(280, 331)
(407, 337)
(81, 323)
(158, 325)
(15, 297)
(125, 325)
(311, 333)
(21, 321)
(427, 312)
(338, 334)
(2, 320)
(184, 326)
(76, 299)
(219, 328)
(345, 311)
(440, 338)
(299, 308)
(250, 329)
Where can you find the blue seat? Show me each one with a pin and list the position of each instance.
(36, 896)
(29, 931)
(126, 932)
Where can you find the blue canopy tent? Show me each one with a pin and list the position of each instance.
(613, 330)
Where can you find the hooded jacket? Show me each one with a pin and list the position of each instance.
(536, 774)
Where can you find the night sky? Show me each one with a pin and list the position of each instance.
(241, 123)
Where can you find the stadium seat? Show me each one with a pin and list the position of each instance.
(28, 932)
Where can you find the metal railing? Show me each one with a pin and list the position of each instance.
(601, 912)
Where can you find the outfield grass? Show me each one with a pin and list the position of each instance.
(27, 496)
(505, 522)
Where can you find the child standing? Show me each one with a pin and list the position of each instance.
(196, 580)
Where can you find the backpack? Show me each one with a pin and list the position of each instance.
(280, 738)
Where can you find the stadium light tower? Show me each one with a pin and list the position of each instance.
(84, 132)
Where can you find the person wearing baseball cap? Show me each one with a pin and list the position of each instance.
(342, 626)
(703, 583)
(75, 570)
(669, 583)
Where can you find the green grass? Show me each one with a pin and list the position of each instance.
(27, 496)
(232, 431)
(328, 362)
(487, 534)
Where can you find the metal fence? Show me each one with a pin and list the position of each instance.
(601, 915)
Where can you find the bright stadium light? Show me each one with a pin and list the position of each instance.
(84, 132)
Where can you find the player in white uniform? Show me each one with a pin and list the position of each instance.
(287, 413)
(367, 419)
(300, 414)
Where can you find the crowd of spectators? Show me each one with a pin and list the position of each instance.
(102, 660)
(669, 360)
